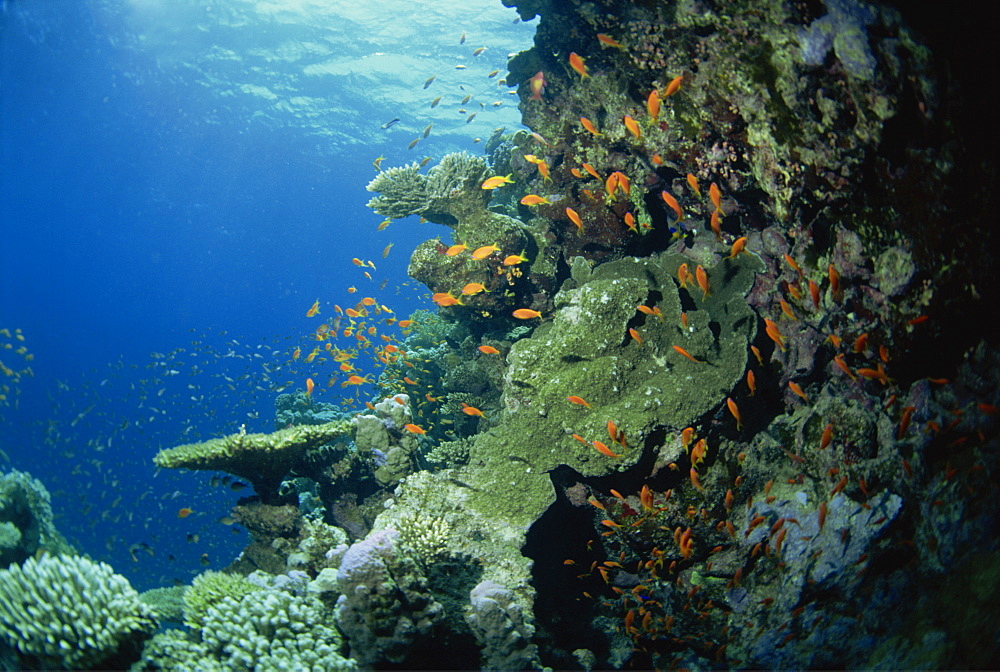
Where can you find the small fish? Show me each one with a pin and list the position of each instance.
(310, 386)
(702, 277)
(236, 486)
(378, 164)
(445, 299)
(669, 199)
(610, 41)
(488, 350)
(533, 199)
(296, 353)
(478, 51)
(537, 85)
(632, 126)
(589, 126)
(514, 259)
(461, 40)
(622, 182)
(630, 222)
(390, 123)
(413, 143)
(827, 436)
(526, 313)
(314, 311)
(794, 387)
(590, 169)
(687, 354)
(715, 196)
(485, 251)
(575, 218)
(683, 275)
(834, 283)
(474, 288)
(814, 294)
(465, 100)
(739, 245)
(674, 86)
(655, 310)
(543, 170)
(471, 410)
(787, 309)
(185, 512)
(771, 329)
(693, 183)
(497, 181)
(604, 450)
(491, 74)
(734, 409)
(751, 382)
(424, 162)
(430, 80)
(205, 562)
(461, 67)
(434, 103)
(573, 399)
(653, 104)
(795, 267)
(841, 364)
(455, 249)
(385, 252)
(716, 225)
(576, 62)
(427, 131)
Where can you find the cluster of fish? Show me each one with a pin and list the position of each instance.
(13, 341)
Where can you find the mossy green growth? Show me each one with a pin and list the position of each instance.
(262, 459)
(208, 589)
(586, 350)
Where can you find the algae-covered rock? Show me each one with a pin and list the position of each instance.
(26, 519)
(262, 459)
(587, 351)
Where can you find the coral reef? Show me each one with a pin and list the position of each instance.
(26, 522)
(66, 612)
(262, 459)
(207, 590)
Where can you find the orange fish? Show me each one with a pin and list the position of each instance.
(635, 336)
(715, 196)
(657, 160)
(861, 344)
(697, 484)
(537, 86)
(716, 225)
(751, 382)
(471, 410)
(455, 249)
(446, 299)
(355, 380)
(674, 86)
(683, 275)
(756, 353)
(674, 205)
(575, 218)
(795, 267)
(632, 126)
(184, 513)
(575, 172)
(740, 245)
(514, 259)
(734, 409)
(310, 385)
(774, 333)
(415, 429)
(653, 104)
(608, 40)
(312, 355)
(485, 251)
(693, 183)
(611, 184)
(543, 170)
(814, 293)
(824, 440)
(841, 364)
(623, 182)
(787, 310)
(612, 430)
(312, 312)
(526, 313)
(577, 64)
(794, 387)
(604, 450)
(577, 400)
(474, 288)
(589, 125)
(590, 169)
(702, 277)
(488, 350)
(646, 498)
(533, 199)
(687, 354)
(834, 283)
(630, 222)
(655, 310)
(498, 181)
(297, 353)
(687, 434)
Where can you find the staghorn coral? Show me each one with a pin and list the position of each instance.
(262, 459)
(66, 612)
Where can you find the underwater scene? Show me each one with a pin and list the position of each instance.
(497, 334)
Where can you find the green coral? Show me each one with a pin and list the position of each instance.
(66, 612)
(168, 603)
(426, 537)
(262, 459)
(26, 520)
(265, 631)
(208, 589)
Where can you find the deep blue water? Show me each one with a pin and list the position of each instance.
(179, 181)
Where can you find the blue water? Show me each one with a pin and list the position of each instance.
(179, 181)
